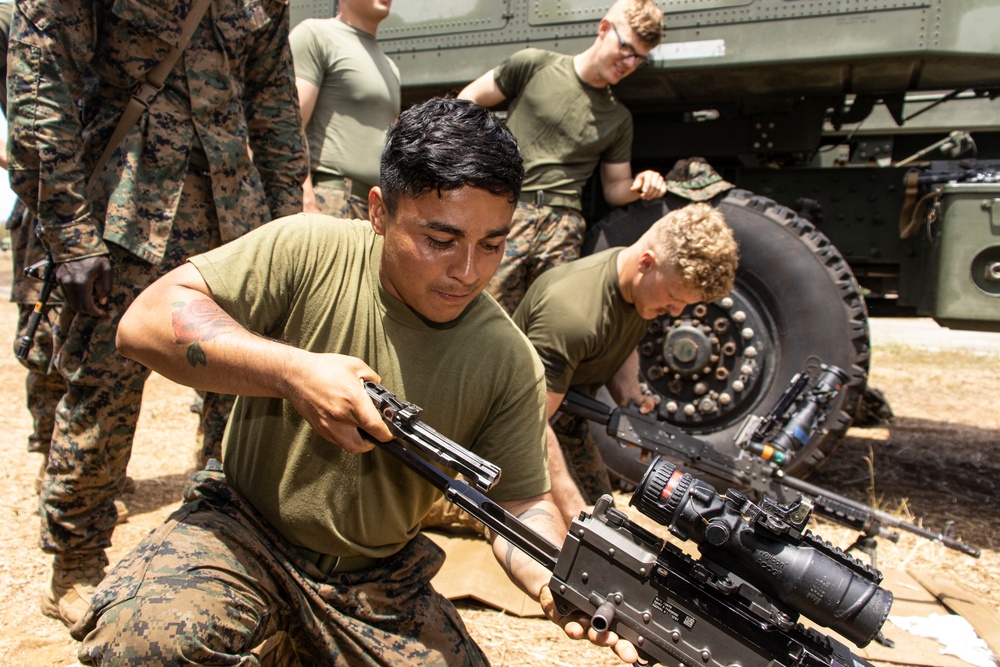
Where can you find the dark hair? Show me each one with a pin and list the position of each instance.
(445, 144)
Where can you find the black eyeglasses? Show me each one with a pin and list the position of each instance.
(627, 51)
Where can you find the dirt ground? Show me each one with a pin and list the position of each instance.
(938, 461)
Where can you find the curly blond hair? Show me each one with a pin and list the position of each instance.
(697, 245)
(643, 16)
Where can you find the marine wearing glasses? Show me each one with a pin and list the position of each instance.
(627, 51)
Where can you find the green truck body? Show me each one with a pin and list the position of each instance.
(871, 123)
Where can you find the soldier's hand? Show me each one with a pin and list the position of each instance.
(86, 284)
(577, 626)
(649, 184)
(329, 394)
(646, 404)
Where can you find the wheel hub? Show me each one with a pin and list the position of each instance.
(705, 366)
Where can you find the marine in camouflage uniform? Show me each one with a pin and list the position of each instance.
(295, 614)
(181, 182)
(541, 237)
(567, 122)
(43, 384)
(340, 198)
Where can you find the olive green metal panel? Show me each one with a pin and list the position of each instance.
(558, 12)
(437, 18)
(967, 257)
(749, 47)
(300, 10)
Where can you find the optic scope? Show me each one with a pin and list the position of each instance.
(765, 546)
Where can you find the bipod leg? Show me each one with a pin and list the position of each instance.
(884, 641)
(867, 544)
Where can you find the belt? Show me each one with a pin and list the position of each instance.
(541, 198)
(328, 564)
(353, 186)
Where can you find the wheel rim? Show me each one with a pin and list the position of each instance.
(710, 364)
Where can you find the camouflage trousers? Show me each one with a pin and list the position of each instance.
(217, 585)
(213, 415)
(43, 384)
(583, 459)
(339, 203)
(540, 238)
(96, 417)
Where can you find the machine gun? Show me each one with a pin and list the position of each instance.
(765, 444)
(739, 603)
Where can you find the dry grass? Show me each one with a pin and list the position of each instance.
(940, 460)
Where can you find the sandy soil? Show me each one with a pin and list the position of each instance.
(938, 461)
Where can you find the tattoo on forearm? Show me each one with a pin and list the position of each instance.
(527, 515)
(197, 321)
(524, 516)
(196, 355)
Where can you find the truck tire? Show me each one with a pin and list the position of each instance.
(795, 305)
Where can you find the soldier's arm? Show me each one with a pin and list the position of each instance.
(45, 83)
(274, 120)
(620, 187)
(308, 94)
(484, 91)
(624, 386)
(540, 514)
(47, 171)
(175, 328)
(565, 493)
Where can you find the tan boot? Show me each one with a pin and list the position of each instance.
(123, 512)
(40, 475)
(129, 486)
(74, 578)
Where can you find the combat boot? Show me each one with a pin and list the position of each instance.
(74, 578)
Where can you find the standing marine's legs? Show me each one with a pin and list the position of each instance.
(44, 386)
(95, 420)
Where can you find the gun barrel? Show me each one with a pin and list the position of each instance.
(871, 516)
(604, 616)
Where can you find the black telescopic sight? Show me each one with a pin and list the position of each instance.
(763, 546)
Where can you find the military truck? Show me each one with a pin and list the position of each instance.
(861, 137)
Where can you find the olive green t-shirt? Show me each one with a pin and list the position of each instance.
(563, 126)
(312, 281)
(358, 97)
(581, 327)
